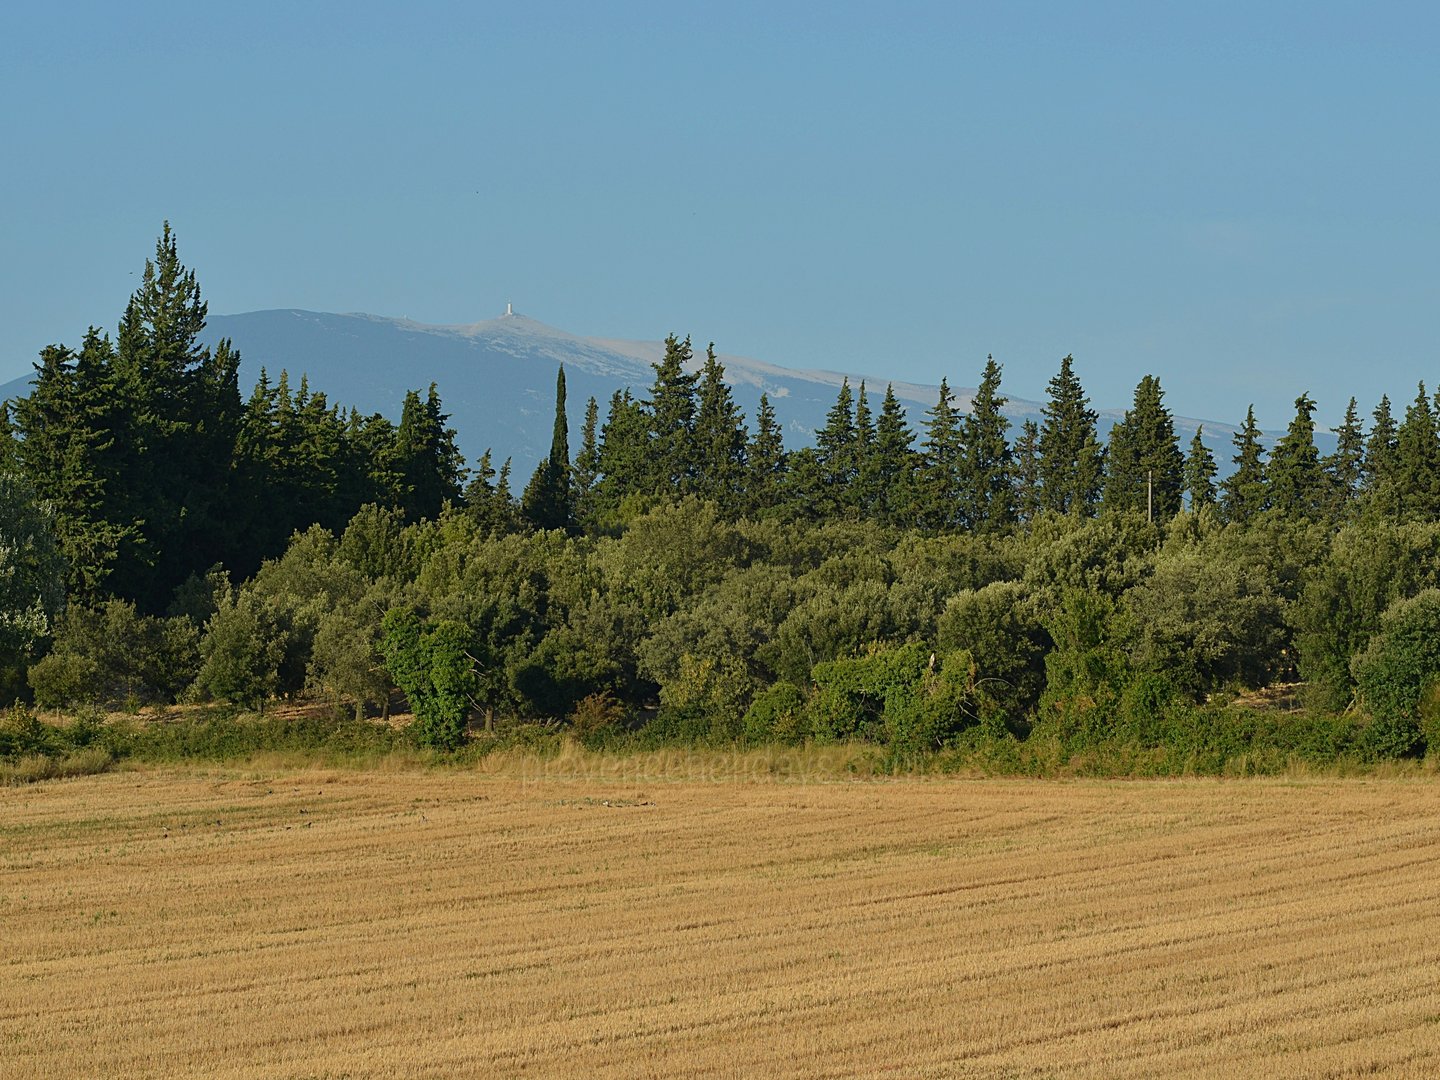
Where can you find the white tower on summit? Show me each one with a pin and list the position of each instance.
(509, 308)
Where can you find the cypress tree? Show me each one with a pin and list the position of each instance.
(987, 490)
(1296, 479)
(1144, 465)
(427, 460)
(546, 502)
(1243, 492)
(1200, 472)
(1071, 459)
(863, 495)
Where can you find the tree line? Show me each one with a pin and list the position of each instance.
(166, 538)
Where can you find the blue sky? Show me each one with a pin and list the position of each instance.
(1238, 198)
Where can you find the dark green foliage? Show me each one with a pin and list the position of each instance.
(1071, 465)
(1244, 493)
(765, 461)
(669, 467)
(940, 492)
(548, 500)
(115, 657)
(1417, 462)
(31, 579)
(888, 472)
(905, 697)
(1368, 567)
(1344, 469)
(837, 458)
(999, 626)
(1026, 458)
(1380, 470)
(1399, 670)
(430, 468)
(1199, 473)
(433, 666)
(777, 715)
(987, 493)
(1296, 481)
(1144, 467)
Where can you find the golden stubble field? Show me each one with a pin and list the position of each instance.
(277, 923)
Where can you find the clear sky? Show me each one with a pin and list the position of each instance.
(1243, 199)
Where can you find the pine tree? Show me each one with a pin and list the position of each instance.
(1243, 492)
(586, 472)
(837, 465)
(1145, 468)
(546, 502)
(1379, 482)
(429, 464)
(987, 489)
(1026, 459)
(1200, 472)
(862, 494)
(1344, 468)
(1295, 477)
(1071, 459)
(942, 462)
(625, 465)
(671, 410)
(890, 469)
(1417, 461)
(765, 461)
(719, 437)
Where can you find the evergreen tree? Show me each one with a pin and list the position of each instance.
(625, 466)
(889, 470)
(546, 502)
(1243, 492)
(1145, 469)
(719, 438)
(1379, 472)
(987, 490)
(1417, 461)
(1026, 458)
(862, 493)
(942, 462)
(429, 463)
(671, 410)
(1344, 468)
(835, 454)
(1200, 472)
(586, 473)
(765, 461)
(1071, 459)
(1296, 479)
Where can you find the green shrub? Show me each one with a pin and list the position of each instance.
(1397, 670)
(777, 715)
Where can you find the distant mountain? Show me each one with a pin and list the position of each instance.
(497, 378)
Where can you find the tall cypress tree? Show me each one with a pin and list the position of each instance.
(1071, 458)
(1243, 492)
(862, 495)
(1296, 480)
(625, 465)
(586, 472)
(1144, 464)
(546, 502)
(987, 490)
(1200, 472)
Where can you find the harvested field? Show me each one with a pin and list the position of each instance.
(338, 924)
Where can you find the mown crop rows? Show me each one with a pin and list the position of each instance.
(329, 924)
